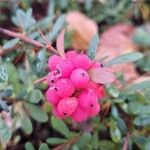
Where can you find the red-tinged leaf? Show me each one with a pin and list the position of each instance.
(102, 75)
(60, 44)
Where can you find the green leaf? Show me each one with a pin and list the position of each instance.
(147, 146)
(144, 63)
(4, 106)
(56, 141)
(35, 96)
(93, 47)
(122, 125)
(112, 90)
(23, 19)
(26, 124)
(134, 107)
(142, 36)
(125, 58)
(13, 78)
(6, 93)
(142, 120)
(114, 111)
(29, 146)
(144, 110)
(11, 43)
(60, 126)
(84, 139)
(75, 147)
(5, 133)
(57, 27)
(44, 146)
(3, 74)
(35, 112)
(106, 145)
(138, 86)
(115, 132)
(95, 140)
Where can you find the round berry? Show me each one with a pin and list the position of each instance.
(82, 61)
(65, 67)
(92, 85)
(98, 88)
(56, 113)
(79, 115)
(51, 79)
(88, 99)
(64, 87)
(67, 106)
(80, 78)
(100, 91)
(52, 97)
(94, 110)
(53, 62)
(71, 54)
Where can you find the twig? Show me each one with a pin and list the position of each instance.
(40, 80)
(126, 143)
(26, 39)
(22, 37)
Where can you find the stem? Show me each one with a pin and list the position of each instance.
(26, 39)
(22, 37)
(40, 80)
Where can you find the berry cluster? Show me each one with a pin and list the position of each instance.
(71, 92)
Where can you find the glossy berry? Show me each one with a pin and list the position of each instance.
(67, 106)
(51, 79)
(65, 67)
(79, 115)
(64, 87)
(82, 61)
(71, 54)
(88, 99)
(53, 62)
(100, 91)
(94, 110)
(52, 97)
(80, 78)
(56, 113)
(92, 85)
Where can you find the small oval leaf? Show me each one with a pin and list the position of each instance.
(102, 75)
(93, 46)
(60, 43)
(125, 58)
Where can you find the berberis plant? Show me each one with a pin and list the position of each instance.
(56, 96)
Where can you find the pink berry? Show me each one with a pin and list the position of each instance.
(80, 78)
(88, 99)
(82, 61)
(53, 62)
(52, 97)
(64, 87)
(92, 85)
(51, 79)
(67, 106)
(100, 91)
(79, 115)
(94, 110)
(56, 113)
(71, 54)
(96, 64)
(65, 67)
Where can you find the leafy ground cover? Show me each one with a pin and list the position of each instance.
(115, 33)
